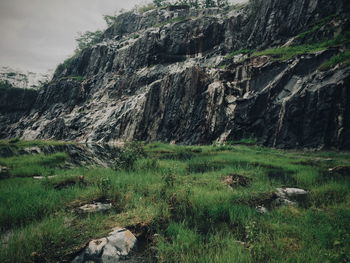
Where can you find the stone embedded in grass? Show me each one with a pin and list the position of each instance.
(112, 249)
(342, 170)
(43, 177)
(96, 207)
(290, 192)
(4, 172)
(282, 196)
(290, 196)
(261, 209)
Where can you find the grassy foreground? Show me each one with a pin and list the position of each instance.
(175, 199)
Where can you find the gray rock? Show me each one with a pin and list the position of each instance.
(110, 254)
(43, 177)
(290, 196)
(111, 249)
(261, 209)
(95, 207)
(290, 192)
(167, 84)
(96, 247)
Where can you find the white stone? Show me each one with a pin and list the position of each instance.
(290, 192)
(261, 209)
(96, 207)
(95, 246)
(110, 254)
(109, 249)
(43, 177)
(123, 239)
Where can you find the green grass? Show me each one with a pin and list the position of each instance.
(316, 26)
(171, 21)
(177, 192)
(16, 143)
(33, 165)
(343, 59)
(285, 53)
(65, 64)
(237, 52)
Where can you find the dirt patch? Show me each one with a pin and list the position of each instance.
(234, 180)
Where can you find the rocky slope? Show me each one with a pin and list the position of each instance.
(165, 75)
(24, 80)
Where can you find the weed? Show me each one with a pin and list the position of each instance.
(128, 156)
(343, 59)
(105, 186)
(168, 177)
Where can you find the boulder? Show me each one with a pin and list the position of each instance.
(111, 249)
(289, 196)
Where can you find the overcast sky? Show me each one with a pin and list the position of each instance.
(36, 35)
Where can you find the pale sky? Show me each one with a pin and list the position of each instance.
(37, 35)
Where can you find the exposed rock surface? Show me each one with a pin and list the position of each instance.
(111, 249)
(96, 207)
(283, 196)
(160, 76)
(290, 196)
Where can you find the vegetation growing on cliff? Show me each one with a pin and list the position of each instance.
(284, 53)
(5, 85)
(193, 3)
(180, 197)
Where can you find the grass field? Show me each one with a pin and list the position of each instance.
(176, 196)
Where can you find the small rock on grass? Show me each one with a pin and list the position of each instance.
(43, 177)
(4, 171)
(343, 170)
(96, 207)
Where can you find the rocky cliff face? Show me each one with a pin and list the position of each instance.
(24, 80)
(164, 75)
